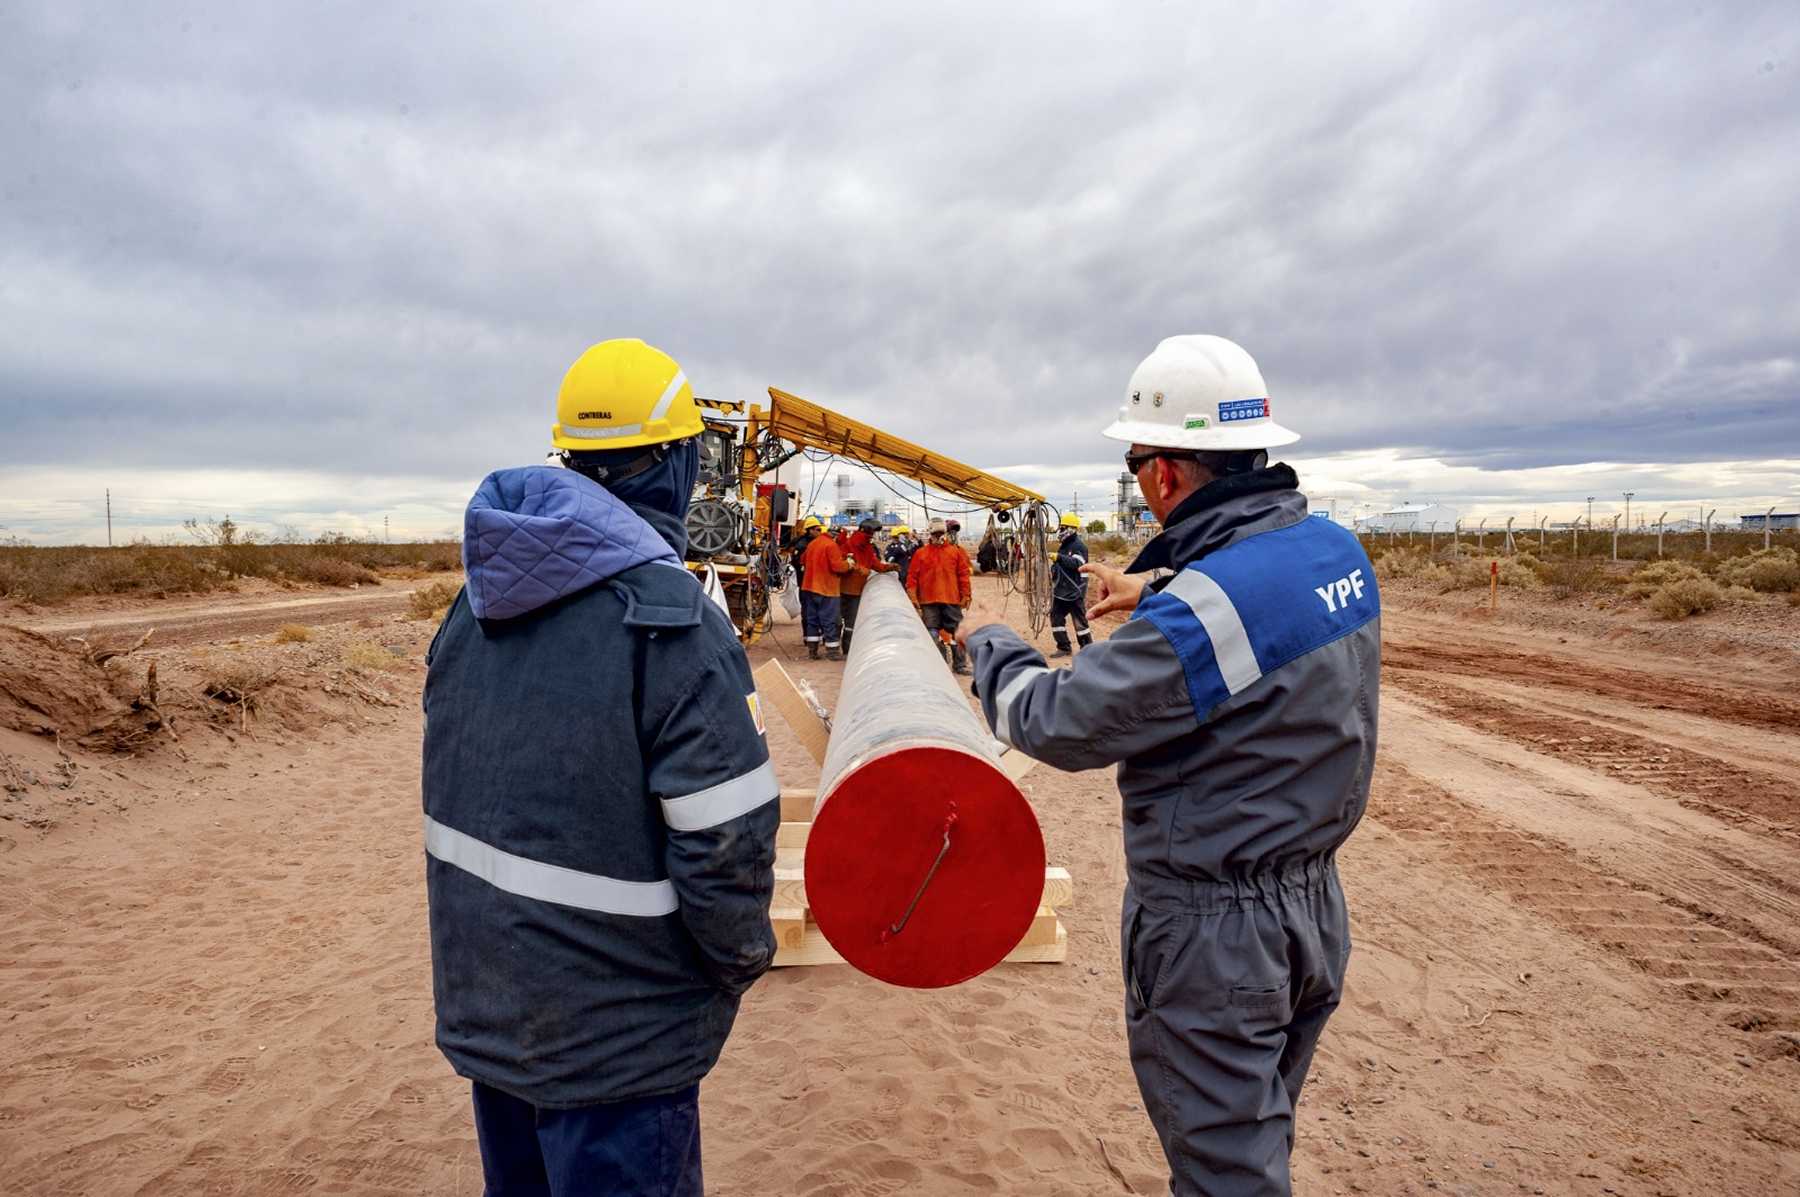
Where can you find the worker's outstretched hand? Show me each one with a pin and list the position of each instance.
(1119, 591)
(975, 617)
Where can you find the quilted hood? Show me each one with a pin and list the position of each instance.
(537, 534)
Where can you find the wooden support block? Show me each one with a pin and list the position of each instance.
(1016, 764)
(1059, 888)
(792, 835)
(790, 886)
(790, 859)
(811, 947)
(1042, 930)
(797, 805)
(790, 929)
(1054, 949)
(773, 683)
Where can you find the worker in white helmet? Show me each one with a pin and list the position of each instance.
(1239, 700)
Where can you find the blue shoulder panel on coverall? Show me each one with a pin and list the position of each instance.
(1265, 601)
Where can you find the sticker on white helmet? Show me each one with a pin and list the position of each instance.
(1243, 409)
(1193, 422)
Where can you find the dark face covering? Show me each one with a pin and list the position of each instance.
(660, 494)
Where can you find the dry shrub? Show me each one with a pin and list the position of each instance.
(1740, 594)
(367, 657)
(1472, 574)
(41, 574)
(1772, 571)
(1581, 575)
(430, 602)
(293, 633)
(238, 687)
(1112, 544)
(1686, 596)
(1402, 564)
(1658, 574)
(326, 570)
(236, 682)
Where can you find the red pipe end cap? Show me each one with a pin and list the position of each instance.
(876, 839)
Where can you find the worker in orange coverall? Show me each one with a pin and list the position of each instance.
(825, 567)
(938, 583)
(860, 550)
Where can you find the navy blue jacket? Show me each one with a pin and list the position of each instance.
(1068, 583)
(600, 812)
(899, 555)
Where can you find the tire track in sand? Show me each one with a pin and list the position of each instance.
(1751, 986)
(1764, 802)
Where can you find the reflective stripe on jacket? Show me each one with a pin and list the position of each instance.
(1240, 700)
(939, 573)
(825, 566)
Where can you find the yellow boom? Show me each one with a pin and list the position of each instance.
(810, 426)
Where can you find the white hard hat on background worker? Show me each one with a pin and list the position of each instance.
(1202, 393)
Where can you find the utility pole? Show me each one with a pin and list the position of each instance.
(385, 538)
(1590, 512)
(109, 517)
(1628, 495)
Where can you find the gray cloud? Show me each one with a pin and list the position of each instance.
(368, 239)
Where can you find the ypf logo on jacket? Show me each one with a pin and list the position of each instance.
(1268, 599)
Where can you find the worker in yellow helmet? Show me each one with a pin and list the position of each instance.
(1068, 586)
(600, 812)
(901, 546)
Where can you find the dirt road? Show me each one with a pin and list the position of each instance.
(1577, 970)
(196, 621)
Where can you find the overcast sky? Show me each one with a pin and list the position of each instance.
(323, 264)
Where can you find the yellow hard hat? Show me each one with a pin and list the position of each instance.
(811, 521)
(1070, 520)
(621, 394)
(900, 530)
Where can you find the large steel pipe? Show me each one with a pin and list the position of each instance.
(924, 865)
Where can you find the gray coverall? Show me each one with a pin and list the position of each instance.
(1240, 704)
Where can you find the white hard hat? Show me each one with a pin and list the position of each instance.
(936, 527)
(1198, 392)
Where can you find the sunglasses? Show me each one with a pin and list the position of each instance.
(1137, 461)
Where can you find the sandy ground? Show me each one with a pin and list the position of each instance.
(1577, 966)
